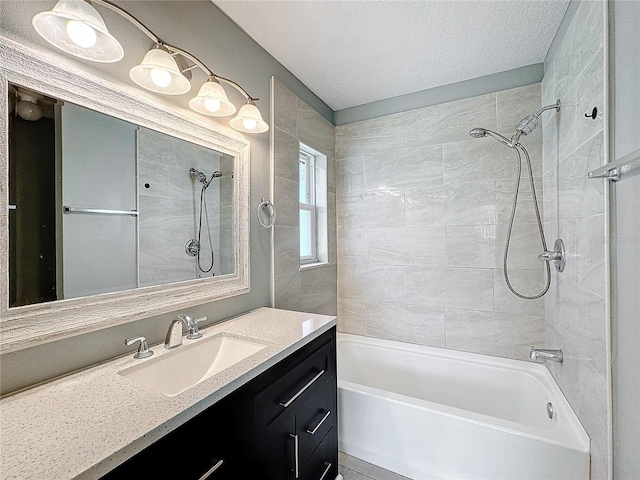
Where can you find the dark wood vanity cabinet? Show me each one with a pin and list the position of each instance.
(281, 425)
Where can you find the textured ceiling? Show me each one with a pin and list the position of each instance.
(356, 51)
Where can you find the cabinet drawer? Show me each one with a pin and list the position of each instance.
(293, 387)
(315, 417)
(323, 464)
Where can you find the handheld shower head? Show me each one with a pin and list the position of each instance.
(483, 132)
(478, 133)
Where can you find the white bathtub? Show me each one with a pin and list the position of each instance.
(430, 413)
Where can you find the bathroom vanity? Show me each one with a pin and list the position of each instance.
(270, 415)
(280, 425)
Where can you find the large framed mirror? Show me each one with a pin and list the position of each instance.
(116, 207)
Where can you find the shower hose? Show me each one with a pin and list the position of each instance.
(203, 209)
(518, 147)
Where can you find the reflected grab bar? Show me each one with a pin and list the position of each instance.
(99, 211)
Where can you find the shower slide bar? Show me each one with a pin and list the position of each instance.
(99, 211)
(614, 170)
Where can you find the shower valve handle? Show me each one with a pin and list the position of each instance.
(557, 255)
(550, 256)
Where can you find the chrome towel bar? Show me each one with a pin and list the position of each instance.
(612, 171)
(99, 211)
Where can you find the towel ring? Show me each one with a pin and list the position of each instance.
(261, 205)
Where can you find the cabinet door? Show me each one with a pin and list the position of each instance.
(276, 449)
(210, 439)
(323, 464)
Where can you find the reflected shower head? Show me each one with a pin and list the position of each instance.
(202, 178)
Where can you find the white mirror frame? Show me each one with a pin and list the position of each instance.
(31, 325)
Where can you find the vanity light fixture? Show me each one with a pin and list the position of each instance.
(212, 100)
(76, 27)
(160, 73)
(249, 119)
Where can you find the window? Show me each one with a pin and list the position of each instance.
(313, 206)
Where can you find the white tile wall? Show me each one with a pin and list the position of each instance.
(574, 206)
(422, 214)
(169, 205)
(310, 290)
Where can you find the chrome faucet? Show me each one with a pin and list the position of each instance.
(546, 354)
(174, 334)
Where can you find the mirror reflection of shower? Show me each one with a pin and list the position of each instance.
(525, 127)
(193, 246)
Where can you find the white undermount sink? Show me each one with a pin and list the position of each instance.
(189, 365)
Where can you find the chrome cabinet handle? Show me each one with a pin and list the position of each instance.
(326, 470)
(296, 454)
(312, 432)
(212, 470)
(285, 404)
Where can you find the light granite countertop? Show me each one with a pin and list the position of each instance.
(85, 424)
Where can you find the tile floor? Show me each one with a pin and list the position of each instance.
(352, 468)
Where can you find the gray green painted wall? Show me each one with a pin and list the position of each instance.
(201, 28)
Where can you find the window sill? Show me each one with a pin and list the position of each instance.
(309, 266)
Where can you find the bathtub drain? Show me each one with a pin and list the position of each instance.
(550, 410)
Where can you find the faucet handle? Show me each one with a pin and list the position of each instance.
(143, 349)
(193, 328)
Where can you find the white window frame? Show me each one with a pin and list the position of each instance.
(310, 204)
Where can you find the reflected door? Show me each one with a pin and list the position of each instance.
(98, 186)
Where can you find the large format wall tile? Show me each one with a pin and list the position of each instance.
(406, 322)
(371, 282)
(526, 282)
(492, 333)
(434, 286)
(310, 289)
(406, 246)
(478, 159)
(419, 166)
(286, 147)
(352, 316)
(287, 201)
(576, 318)
(285, 109)
(450, 122)
(350, 175)
(422, 214)
(580, 196)
(515, 104)
(384, 208)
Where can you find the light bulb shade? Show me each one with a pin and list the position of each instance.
(29, 110)
(77, 28)
(160, 73)
(249, 120)
(212, 100)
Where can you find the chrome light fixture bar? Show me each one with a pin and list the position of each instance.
(76, 27)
